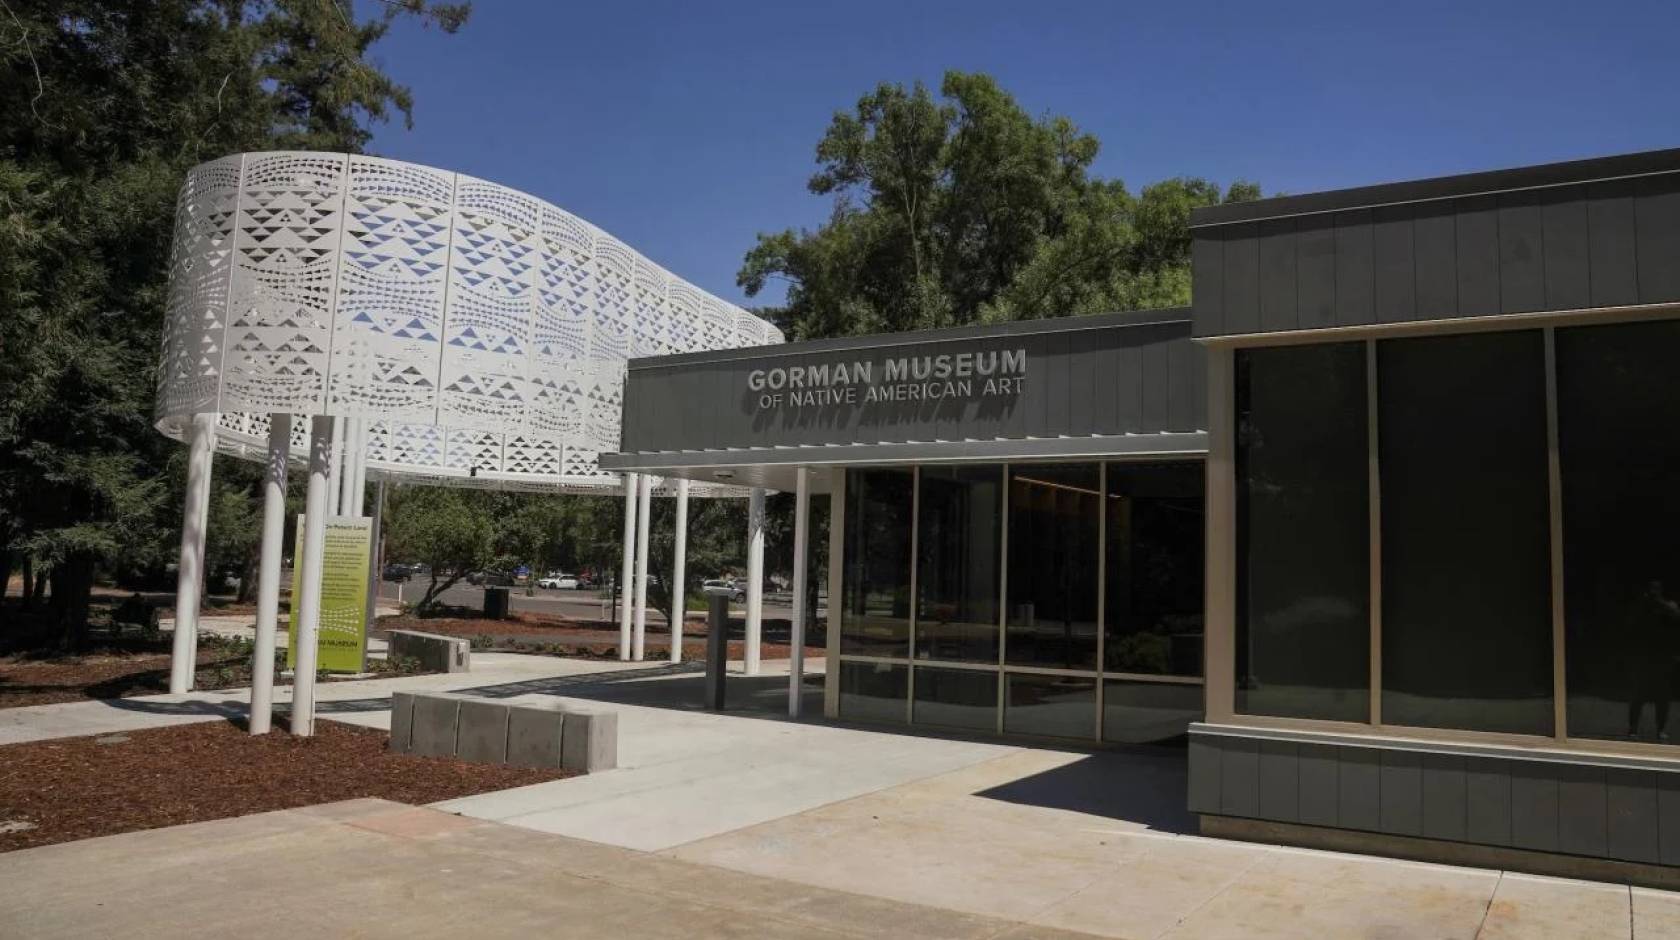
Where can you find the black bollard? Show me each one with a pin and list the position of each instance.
(717, 650)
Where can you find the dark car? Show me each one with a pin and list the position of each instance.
(397, 573)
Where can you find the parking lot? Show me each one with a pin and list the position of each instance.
(578, 605)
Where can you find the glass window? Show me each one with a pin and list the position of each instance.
(1303, 530)
(1053, 565)
(956, 698)
(1057, 706)
(1466, 567)
(959, 555)
(1153, 617)
(875, 618)
(1618, 404)
(1145, 712)
(873, 691)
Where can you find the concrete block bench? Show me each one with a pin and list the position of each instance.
(441, 724)
(436, 652)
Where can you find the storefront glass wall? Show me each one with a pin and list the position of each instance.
(1527, 499)
(1053, 599)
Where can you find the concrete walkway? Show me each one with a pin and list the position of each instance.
(363, 701)
(368, 868)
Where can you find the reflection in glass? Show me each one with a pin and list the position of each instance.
(1466, 558)
(873, 691)
(1153, 617)
(1618, 404)
(875, 616)
(956, 698)
(961, 513)
(1145, 712)
(1303, 550)
(1053, 565)
(1057, 706)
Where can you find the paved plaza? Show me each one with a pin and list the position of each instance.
(749, 824)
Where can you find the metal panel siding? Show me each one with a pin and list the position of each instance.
(1656, 216)
(1476, 232)
(1277, 275)
(1092, 386)
(1611, 244)
(1582, 808)
(1183, 378)
(1534, 806)
(1360, 783)
(1317, 785)
(1157, 374)
(1239, 777)
(1445, 797)
(1059, 391)
(1204, 773)
(1435, 258)
(1280, 791)
(1355, 282)
(1400, 793)
(1315, 271)
(1128, 389)
(1564, 240)
(1487, 784)
(1207, 281)
(1630, 798)
(1393, 274)
(1668, 818)
(1522, 268)
(1242, 279)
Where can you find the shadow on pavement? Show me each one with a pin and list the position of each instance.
(1143, 785)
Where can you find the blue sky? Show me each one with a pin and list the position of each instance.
(687, 128)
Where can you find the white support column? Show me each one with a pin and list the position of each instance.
(349, 495)
(755, 578)
(376, 561)
(801, 546)
(190, 578)
(358, 493)
(336, 430)
(627, 574)
(309, 582)
(644, 519)
(268, 572)
(679, 571)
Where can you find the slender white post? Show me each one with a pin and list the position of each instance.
(268, 572)
(348, 496)
(631, 485)
(195, 516)
(335, 464)
(376, 561)
(679, 574)
(309, 581)
(644, 518)
(755, 578)
(203, 560)
(358, 493)
(801, 544)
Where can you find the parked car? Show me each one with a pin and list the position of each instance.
(724, 586)
(491, 578)
(560, 582)
(397, 573)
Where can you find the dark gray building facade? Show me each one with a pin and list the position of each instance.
(1384, 522)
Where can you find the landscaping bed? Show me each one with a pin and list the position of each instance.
(554, 635)
(78, 788)
(126, 666)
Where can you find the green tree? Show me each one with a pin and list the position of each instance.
(947, 212)
(108, 103)
(450, 530)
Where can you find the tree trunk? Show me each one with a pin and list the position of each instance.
(248, 578)
(72, 589)
(29, 582)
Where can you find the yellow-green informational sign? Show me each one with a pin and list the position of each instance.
(342, 641)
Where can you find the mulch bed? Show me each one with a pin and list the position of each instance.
(123, 667)
(527, 632)
(77, 788)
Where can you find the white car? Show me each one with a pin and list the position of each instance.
(724, 586)
(559, 582)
